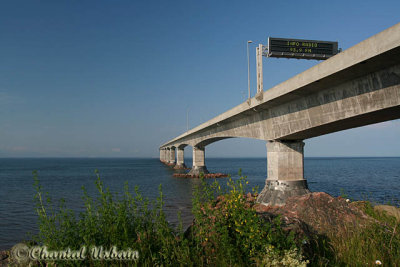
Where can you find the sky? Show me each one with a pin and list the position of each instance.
(120, 78)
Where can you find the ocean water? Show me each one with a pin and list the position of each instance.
(375, 179)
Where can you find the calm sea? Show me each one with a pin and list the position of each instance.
(376, 179)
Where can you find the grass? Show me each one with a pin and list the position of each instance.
(379, 241)
(227, 232)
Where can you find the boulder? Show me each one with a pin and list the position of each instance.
(316, 212)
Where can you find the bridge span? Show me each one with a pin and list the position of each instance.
(357, 87)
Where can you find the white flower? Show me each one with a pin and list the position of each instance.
(347, 200)
(378, 262)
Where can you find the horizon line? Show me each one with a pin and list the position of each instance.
(215, 157)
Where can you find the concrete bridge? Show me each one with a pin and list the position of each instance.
(357, 87)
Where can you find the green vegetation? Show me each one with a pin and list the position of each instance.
(379, 241)
(227, 232)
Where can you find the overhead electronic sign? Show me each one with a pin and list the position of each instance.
(301, 49)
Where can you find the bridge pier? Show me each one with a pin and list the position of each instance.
(198, 161)
(161, 154)
(171, 161)
(165, 158)
(167, 155)
(285, 160)
(180, 159)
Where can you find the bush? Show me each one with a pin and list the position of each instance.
(226, 229)
(130, 221)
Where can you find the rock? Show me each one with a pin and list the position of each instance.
(198, 170)
(208, 175)
(4, 258)
(316, 212)
(390, 210)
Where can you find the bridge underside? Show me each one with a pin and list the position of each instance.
(388, 114)
(370, 99)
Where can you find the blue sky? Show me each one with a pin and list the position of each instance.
(117, 78)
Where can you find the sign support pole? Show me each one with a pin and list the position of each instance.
(260, 86)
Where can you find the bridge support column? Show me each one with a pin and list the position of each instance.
(180, 160)
(164, 155)
(167, 155)
(285, 172)
(198, 161)
(172, 156)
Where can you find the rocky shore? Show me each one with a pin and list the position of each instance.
(207, 175)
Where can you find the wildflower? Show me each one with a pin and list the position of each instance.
(347, 200)
(378, 262)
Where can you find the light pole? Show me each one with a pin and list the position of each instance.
(248, 67)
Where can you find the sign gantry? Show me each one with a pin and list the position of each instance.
(301, 49)
(292, 48)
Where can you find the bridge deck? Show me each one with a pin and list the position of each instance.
(379, 51)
